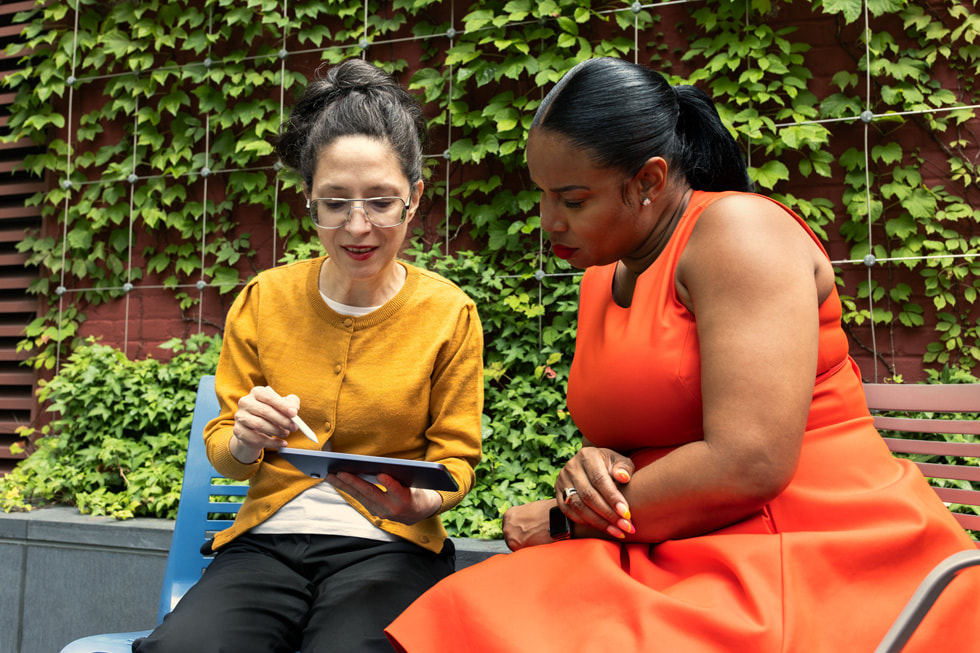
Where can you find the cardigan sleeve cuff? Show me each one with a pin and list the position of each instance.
(227, 465)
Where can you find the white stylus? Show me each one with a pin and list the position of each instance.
(307, 431)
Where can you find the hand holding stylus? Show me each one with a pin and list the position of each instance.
(263, 421)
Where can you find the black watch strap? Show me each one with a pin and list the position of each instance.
(559, 527)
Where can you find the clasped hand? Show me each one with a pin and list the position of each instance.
(597, 507)
(264, 420)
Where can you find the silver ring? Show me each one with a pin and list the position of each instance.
(568, 493)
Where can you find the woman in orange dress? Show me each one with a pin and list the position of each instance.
(731, 492)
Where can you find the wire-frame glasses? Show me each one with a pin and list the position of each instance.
(334, 212)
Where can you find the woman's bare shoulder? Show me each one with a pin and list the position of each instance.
(742, 237)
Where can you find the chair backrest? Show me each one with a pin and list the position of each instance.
(208, 504)
(942, 461)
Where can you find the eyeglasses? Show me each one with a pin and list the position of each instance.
(334, 212)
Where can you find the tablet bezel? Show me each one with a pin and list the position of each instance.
(413, 473)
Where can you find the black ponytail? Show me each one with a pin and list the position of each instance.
(707, 153)
(623, 114)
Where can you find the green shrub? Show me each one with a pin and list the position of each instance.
(119, 439)
(529, 339)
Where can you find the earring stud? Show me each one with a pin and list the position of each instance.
(646, 201)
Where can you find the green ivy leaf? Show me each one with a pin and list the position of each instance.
(901, 227)
(770, 173)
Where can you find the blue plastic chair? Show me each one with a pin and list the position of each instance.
(207, 505)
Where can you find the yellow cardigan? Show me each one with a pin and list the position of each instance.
(404, 381)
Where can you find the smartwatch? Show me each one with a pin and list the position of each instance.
(559, 527)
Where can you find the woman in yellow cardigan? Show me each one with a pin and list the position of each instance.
(378, 357)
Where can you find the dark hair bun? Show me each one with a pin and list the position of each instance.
(353, 98)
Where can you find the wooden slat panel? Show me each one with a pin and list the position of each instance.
(10, 8)
(5, 452)
(16, 282)
(16, 258)
(4, 54)
(18, 212)
(15, 330)
(22, 187)
(11, 354)
(18, 305)
(17, 400)
(10, 400)
(11, 235)
(19, 144)
(9, 426)
(19, 377)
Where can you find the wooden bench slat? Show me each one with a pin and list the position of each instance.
(957, 495)
(958, 472)
(934, 448)
(946, 398)
(934, 398)
(971, 522)
(915, 425)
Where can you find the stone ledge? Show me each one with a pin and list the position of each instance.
(62, 525)
(65, 575)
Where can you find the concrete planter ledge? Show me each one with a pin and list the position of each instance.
(64, 575)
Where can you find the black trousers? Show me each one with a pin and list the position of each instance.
(308, 593)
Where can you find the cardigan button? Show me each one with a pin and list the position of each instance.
(348, 322)
(424, 539)
(338, 368)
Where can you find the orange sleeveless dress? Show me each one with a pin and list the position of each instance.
(825, 567)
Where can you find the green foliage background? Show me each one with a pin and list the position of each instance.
(120, 439)
(172, 102)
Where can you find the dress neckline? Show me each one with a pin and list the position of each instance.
(624, 280)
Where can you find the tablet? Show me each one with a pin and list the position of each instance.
(413, 473)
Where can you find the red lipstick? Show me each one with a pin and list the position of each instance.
(359, 253)
(563, 252)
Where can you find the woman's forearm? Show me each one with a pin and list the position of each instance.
(694, 490)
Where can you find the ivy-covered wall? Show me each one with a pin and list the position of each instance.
(157, 119)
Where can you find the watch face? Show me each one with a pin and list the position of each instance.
(559, 527)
